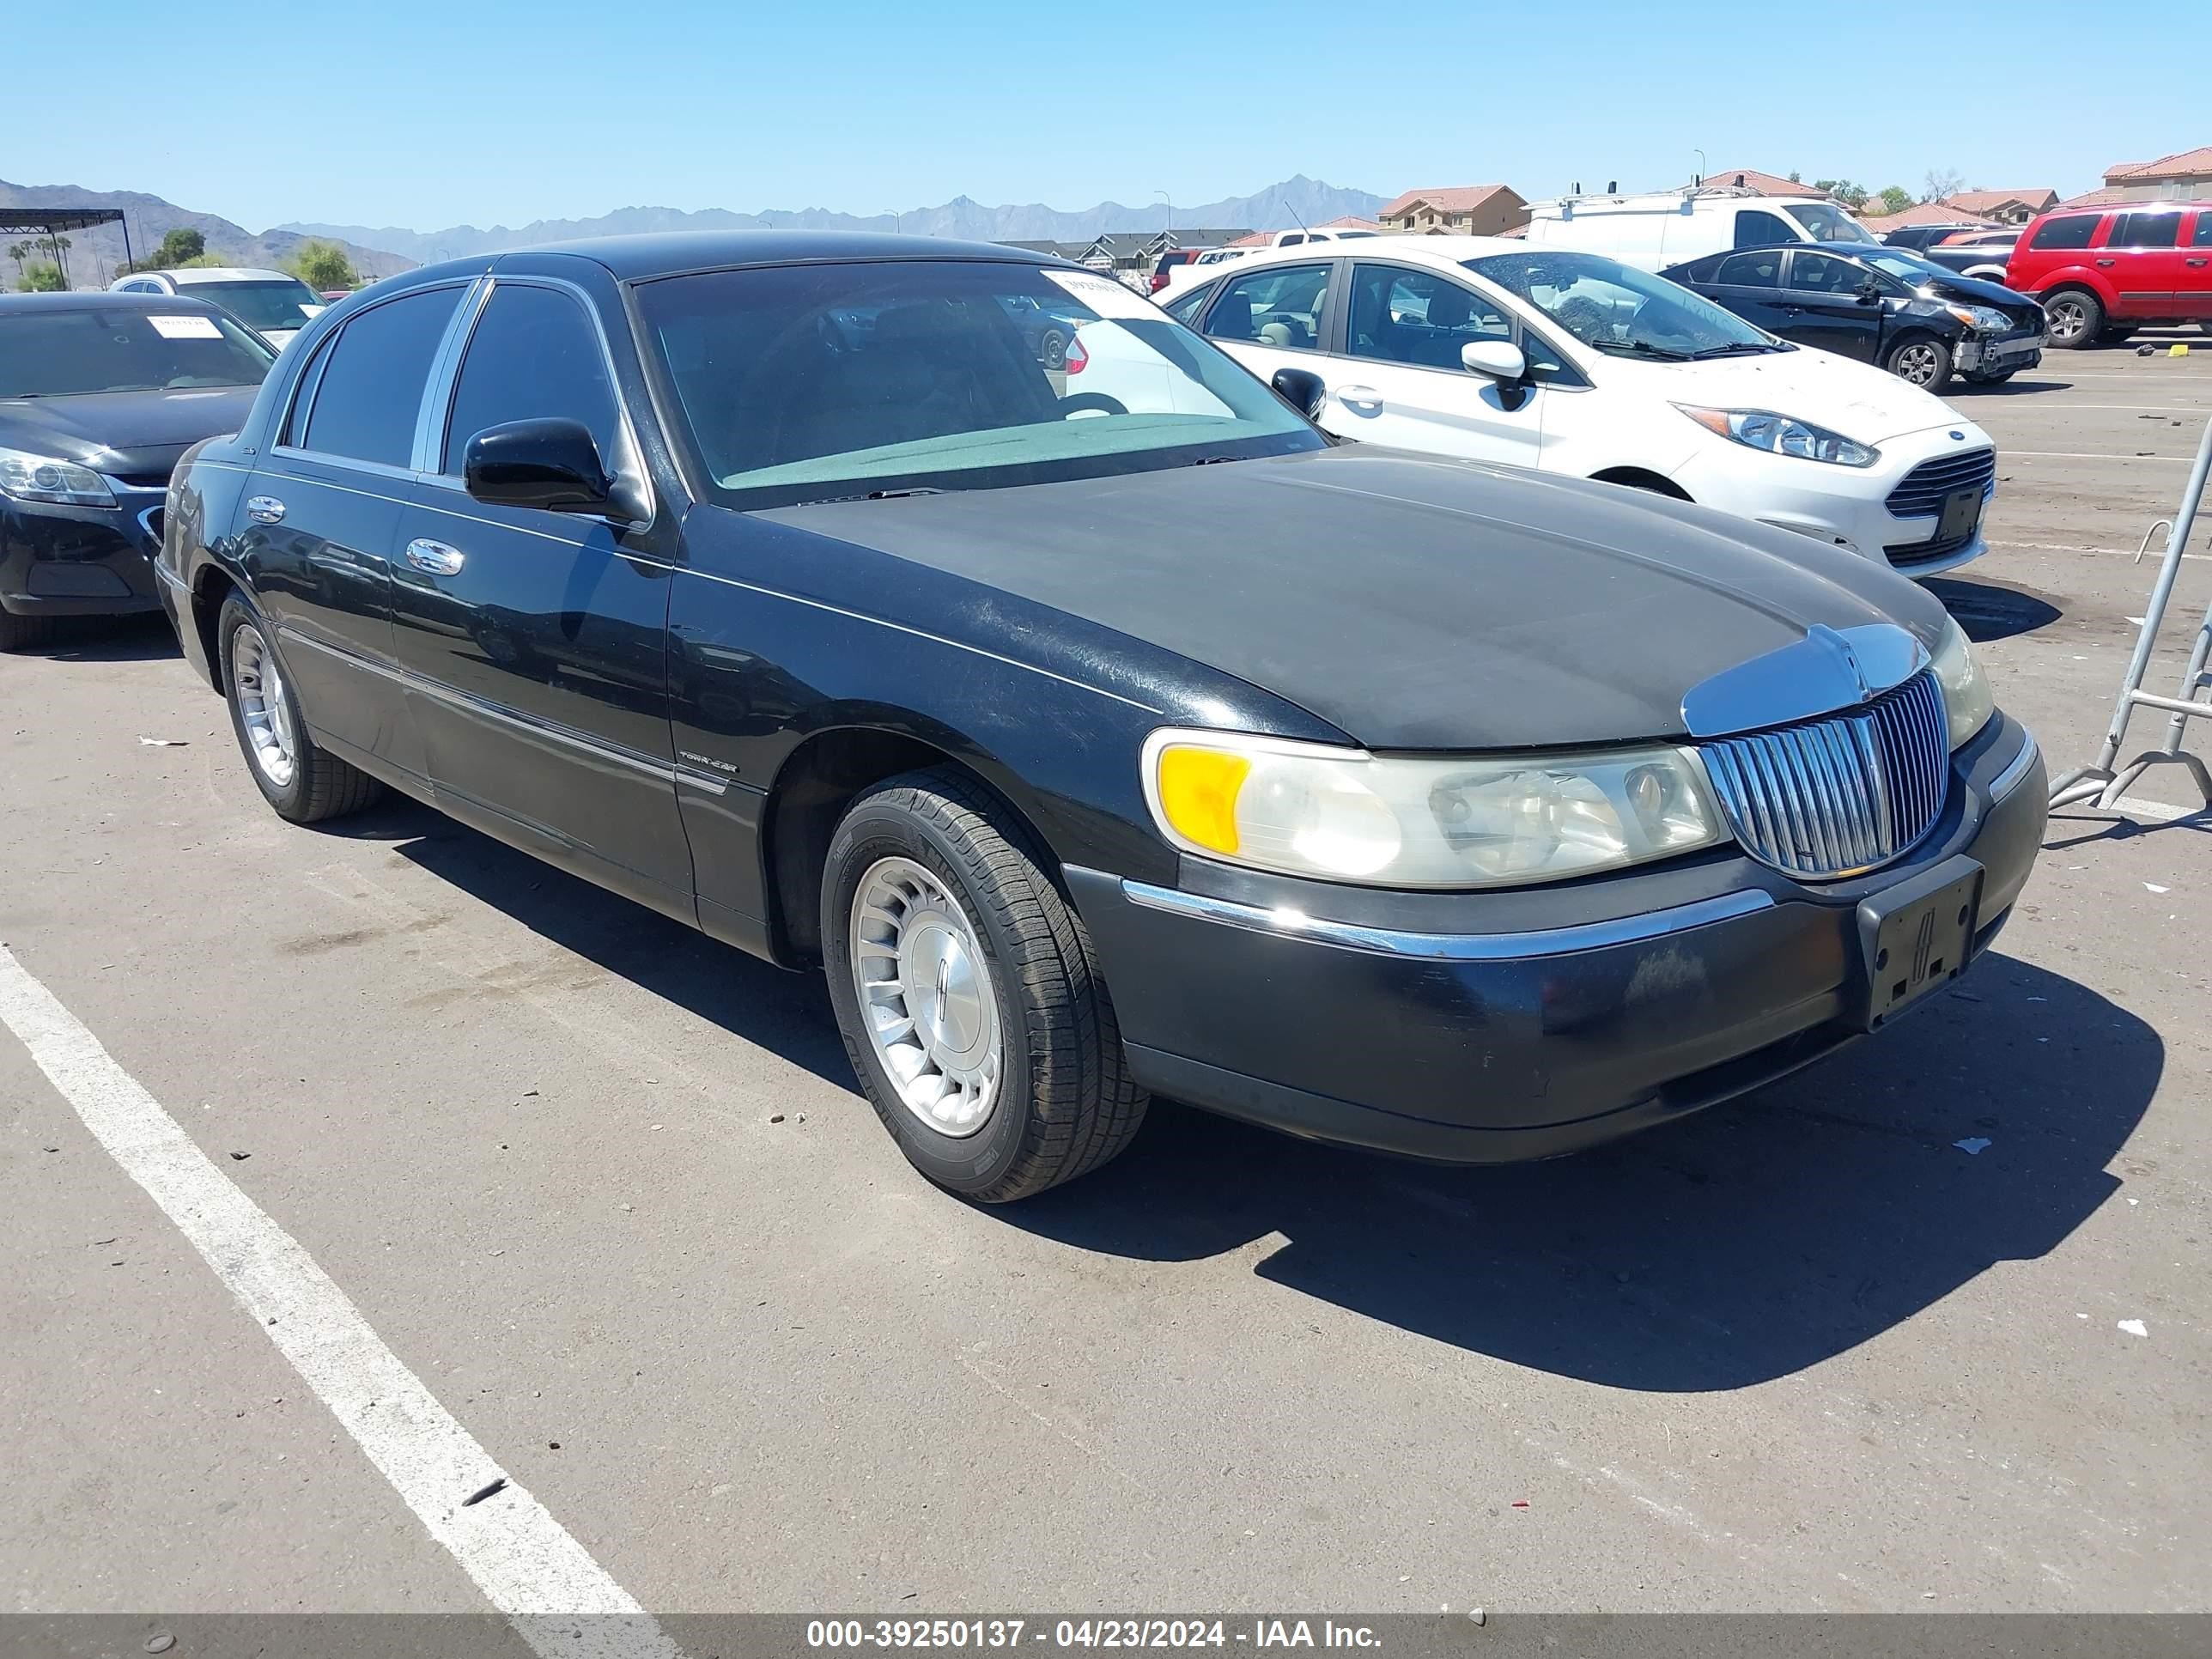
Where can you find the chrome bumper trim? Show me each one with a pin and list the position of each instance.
(1450, 947)
(2009, 779)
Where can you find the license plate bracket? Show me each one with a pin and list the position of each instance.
(1962, 512)
(1917, 936)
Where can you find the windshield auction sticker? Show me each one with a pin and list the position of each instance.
(1104, 295)
(186, 328)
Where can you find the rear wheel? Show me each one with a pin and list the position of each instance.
(1920, 360)
(2075, 316)
(21, 633)
(304, 781)
(967, 995)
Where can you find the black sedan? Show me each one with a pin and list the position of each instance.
(1097, 734)
(99, 394)
(1880, 305)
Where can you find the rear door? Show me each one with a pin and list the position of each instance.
(1821, 297)
(2143, 255)
(322, 509)
(1750, 285)
(535, 641)
(2196, 269)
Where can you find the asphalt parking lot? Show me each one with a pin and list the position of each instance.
(1924, 1328)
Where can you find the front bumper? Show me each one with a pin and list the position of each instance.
(1841, 506)
(1485, 1028)
(81, 560)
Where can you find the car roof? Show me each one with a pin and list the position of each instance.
(105, 300)
(221, 274)
(675, 253)
(1443, 252)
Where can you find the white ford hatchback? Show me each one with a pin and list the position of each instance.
(1487, 349)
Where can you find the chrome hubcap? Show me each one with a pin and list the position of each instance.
(926, 996)
(2067, 317)
(1918, 364)
(259, 685)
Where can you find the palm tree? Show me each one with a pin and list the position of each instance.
(19, 252)
(61, 245)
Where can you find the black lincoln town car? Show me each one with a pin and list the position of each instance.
(1098, 732)
(99, 394)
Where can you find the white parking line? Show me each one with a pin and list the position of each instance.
(558, 1599)
(2085, 455)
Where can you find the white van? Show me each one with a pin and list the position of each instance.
(1670, 227)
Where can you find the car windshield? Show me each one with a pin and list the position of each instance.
(1829, 224)
(826, 382)
(65, 353)
(1619, 309)
(266, 303)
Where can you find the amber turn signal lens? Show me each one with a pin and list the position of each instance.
(1197, 795)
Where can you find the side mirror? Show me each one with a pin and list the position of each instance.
(1301, 389)
(551, 464)
(1869, 292)
(1500, 359)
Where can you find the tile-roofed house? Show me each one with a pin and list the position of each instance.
(2184, 176)
(1458, 210)
(1921, 213)
(1759, 184)
(2003, 207)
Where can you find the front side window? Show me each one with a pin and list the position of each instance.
(1278, 307)
(1755, 227)
(824, 382)
(1418, 317)
(274, 302)
(1824, 223)
(1620, 310)
(68, 353)
(2074, 230)
(371, 391)
(533, 355)
(2146, 230)
(1822, 273)
(1760, 270)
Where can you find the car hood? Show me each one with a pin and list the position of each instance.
(1413, 604)
(1854, 398)
(136, 435)
(1975, 291)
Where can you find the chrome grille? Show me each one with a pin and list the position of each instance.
(1841, 793)
(1920, 493)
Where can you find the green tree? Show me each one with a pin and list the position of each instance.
(323, 265)
(1852, 196)
(178, 248)
(19, 252)
(1895, 198)
(42, 276)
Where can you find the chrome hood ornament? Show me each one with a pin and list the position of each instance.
(1830, 669)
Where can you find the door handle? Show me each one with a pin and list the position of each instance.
(435, 557)
(264, 509)
(1364, 398)
(2104, 262)
(2192, 261)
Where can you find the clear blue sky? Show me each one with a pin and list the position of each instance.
(397, 112)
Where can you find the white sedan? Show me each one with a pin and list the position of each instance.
(1486, 349)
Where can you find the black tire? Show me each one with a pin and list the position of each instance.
(1065, 1102)
(1920, 360)
(2076, 318)
(2115, 334)
(321, 785)
(1053, 349)
(21, 633)
(1992, 379)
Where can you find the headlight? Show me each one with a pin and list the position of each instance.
(1778, 434)
(1967, 704)
(1343, 815)
(40, 478)
(1981, 317)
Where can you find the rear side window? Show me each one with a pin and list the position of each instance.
(1278, 307)
(2073, 231)
(2145, 230)
(371, 387)
(534, 355)
(1751, 270)
(1757, 228)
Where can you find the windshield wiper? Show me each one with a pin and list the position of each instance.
(1642, 348)
(1215, 460)
(871, 495)
(1741, 349)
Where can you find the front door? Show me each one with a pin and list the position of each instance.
(316, 527)
(2143, 258)
(1271, 319)
(1829, 311)
(535, 641)
(1400, 381)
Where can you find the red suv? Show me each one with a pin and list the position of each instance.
(2101, 272)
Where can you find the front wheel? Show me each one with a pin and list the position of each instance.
(2076, 317)
(1920, 360)
(21, 633)
(1992, 380)
(966, 994)
(304, 781)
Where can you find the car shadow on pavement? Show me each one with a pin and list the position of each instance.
(110, 639)
(1732, 1248)
(785, 1013)
(1987, 611)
